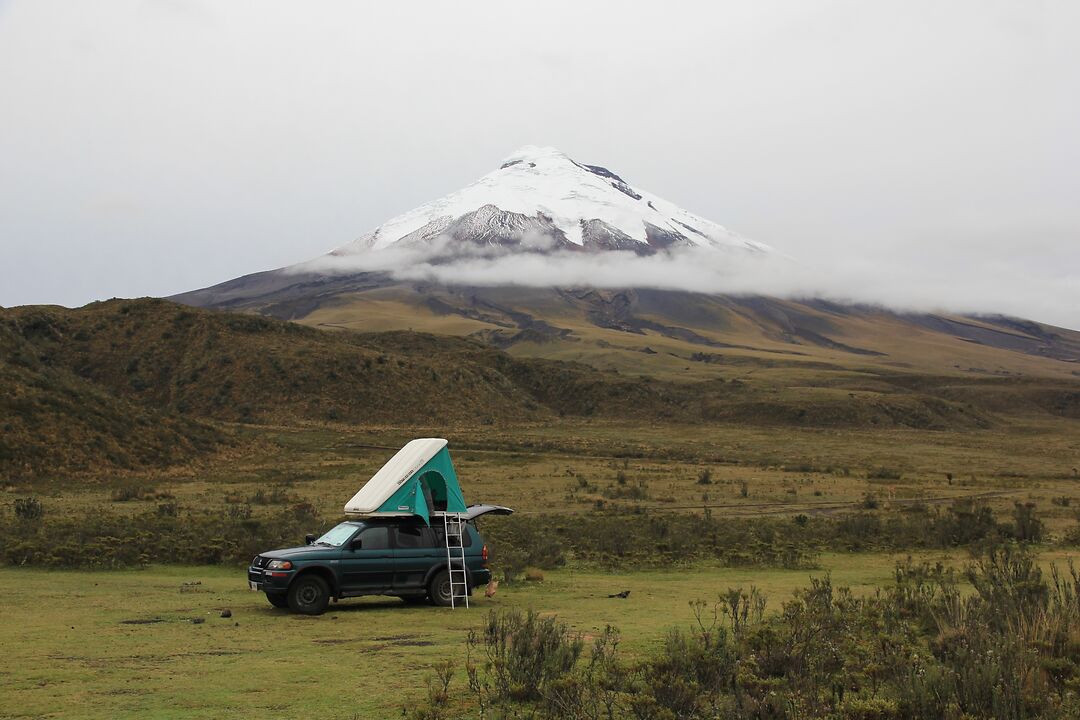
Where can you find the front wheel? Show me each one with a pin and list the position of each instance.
(309, 595)
(278, 600)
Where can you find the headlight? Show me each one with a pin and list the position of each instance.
(279, 565)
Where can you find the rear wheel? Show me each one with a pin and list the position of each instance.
(278, 600)
(309, 594)
(439, 590)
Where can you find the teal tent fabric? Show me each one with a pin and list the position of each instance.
(434, 487)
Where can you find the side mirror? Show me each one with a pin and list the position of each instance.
(310, 538)
(355, 544)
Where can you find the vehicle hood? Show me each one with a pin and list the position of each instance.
(303, 552)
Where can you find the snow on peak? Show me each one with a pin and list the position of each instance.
(542, 190)
(534, 154)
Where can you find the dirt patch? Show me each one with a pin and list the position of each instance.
(413, 643)
(142, 621)
(331, 641)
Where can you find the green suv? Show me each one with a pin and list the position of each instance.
(403, 557)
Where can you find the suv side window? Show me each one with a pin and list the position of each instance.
(413, 536)
(466, 536)
(375, 538)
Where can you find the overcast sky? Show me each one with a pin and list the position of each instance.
(149, 147)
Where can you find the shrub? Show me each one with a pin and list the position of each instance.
(276, 496)
(705, 477)
(518, 543)
(168, 509)
(29, 509)
(919, 648)
(1026, 527)
(110, 540)
(525, 653)
(238, 512)
(637, 491)
(131, 492)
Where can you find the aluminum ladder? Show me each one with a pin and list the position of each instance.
(454, 527)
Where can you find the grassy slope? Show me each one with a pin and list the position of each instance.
(755, 339)
(108, 385)
(240, 367)
(921, 378)
(129, 371)
(52, 420)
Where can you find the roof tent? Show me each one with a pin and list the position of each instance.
(418, 480)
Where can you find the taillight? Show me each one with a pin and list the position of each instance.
(484, 554)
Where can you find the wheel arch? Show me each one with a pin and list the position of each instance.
(322, 571)
(439, 567)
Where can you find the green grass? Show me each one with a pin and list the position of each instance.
(68, 650)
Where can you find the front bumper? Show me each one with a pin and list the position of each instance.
(268, 580)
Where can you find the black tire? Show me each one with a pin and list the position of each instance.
(439, 589)
(278, 600)
(414, 599)
(309, 595)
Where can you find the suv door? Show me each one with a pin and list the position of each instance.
(367, 561)
(415, 552)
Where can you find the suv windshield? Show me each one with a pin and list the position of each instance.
(338, 535)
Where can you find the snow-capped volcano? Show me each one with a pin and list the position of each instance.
(541, 199)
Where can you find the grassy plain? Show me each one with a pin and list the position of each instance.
(122, 643)
(571, 465)
(105, 644)
(151, 643)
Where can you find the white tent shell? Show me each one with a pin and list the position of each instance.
(383, 484)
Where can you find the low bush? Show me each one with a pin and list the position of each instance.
(918, 648)
(132, 492)
(28, 509)
(164, 534)
(884, 473)
(608, 538)
(636, 538)
(525, 654)
(275, 496)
